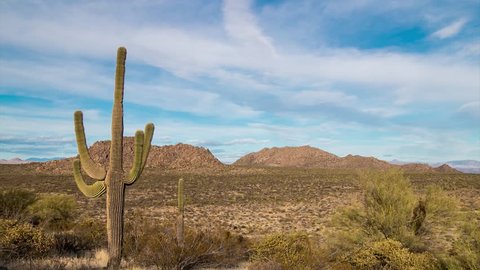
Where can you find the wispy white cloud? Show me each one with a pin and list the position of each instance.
(450, 30)
(471, 109)
(319, 97)
(241, 26)
(67, 76)
(188, 54)
(240, 141)
(233, 68)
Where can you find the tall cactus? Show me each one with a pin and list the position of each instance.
(113, 180)
(181, 215)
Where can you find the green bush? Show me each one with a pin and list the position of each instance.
(465, 253)
(391, 210)
(390, 254)
(14, 202)
(55, 212)
(389, 201)
(22, 240)
(441, 208)
(291, 251)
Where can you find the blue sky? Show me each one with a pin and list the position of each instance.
(390, 79)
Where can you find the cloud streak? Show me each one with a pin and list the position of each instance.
(239, 69)
(450, 30)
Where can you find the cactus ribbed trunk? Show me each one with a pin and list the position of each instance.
(181, 215)
(115, 202)
(114, 181)
(180, 230)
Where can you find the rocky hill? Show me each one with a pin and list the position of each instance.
(311, 157)
(445, 168)
(179, 156)
(417, 168)
(360, 162)
(303, 156)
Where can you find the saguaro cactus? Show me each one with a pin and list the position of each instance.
(181, 215)
(113, 180)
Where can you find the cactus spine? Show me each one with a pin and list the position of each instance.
(181, 214)
(114, 180)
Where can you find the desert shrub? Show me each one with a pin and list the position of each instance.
(152, 244)
(390, 254)
(22, 240)
(390, 210)
(389, 201)
(291, 251)
(265, 266)
(465, 253)
(55, 212)
(14, 202)
(91, 232)
(68, 243)
(441, 208)
(385, 213)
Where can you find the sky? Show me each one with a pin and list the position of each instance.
(389, 79)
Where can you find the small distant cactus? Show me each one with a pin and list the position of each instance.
(114, 180)
(181, 214)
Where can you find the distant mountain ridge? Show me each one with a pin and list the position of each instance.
(179, 156)
(465, 166)
(184, 156)
(302, 156)
(311, 157)
(28, 160)
(13, 161)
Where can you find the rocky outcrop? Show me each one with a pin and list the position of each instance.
(179, 156)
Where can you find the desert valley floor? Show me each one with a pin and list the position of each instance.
(248, 201)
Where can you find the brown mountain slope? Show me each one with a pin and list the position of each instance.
(302, 156)
(309, 157)
(417, 168)
(179, 156)
(445, 168)
(360, 162)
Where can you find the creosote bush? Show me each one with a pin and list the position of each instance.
(392, 219)
(14, 203)
(45, 227)
(22, 240)
(288, 251)
(389, 201)
(390, 254)
(465, 253)
(55, 212)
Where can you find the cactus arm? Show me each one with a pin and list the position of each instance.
(94, 190)
(149, 128)
(137, 161)
(93, 170)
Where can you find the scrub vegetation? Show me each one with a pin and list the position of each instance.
(241, 218)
